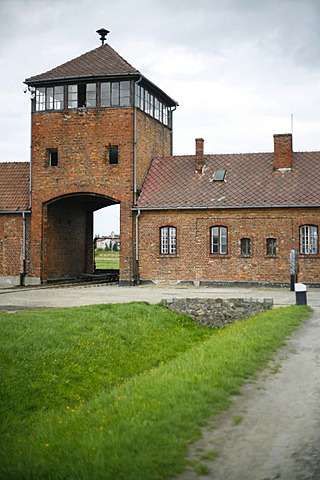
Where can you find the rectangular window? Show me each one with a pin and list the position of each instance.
(124, 94)
(50, 98)
(152, 105)
(72, 96)
(245, 244)
(149, 101)
(105, 97)
(58, 98)
(115, 89)
(308, 239)
(140, 97)
(113, 155)
(52, 154)
(219, 240)
(271, 247)
(40, 99)
(165, 115)
(91, 98)
(115, 94)
(82, 95)
(156, 109)
(168, 240)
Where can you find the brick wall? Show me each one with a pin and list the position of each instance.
(65, 240)
(10, 244)
(193, 262)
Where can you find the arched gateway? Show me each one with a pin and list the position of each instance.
(67, 246)
(96, 125)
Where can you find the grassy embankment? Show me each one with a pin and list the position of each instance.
(119, 391)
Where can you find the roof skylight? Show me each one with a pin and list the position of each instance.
(219, 175)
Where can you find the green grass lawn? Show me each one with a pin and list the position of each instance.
(106, 260)
(119, 391)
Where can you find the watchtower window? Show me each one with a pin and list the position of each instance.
(82, 95)
(72, 96)
(54, 98)
(113, 155)
(152, 105)
(115, 94)
(52, 154)
(49, 98)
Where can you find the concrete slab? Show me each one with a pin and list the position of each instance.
(72, 296)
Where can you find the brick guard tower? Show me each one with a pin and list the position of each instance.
(97, 122)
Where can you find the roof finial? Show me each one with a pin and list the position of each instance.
(103, 33)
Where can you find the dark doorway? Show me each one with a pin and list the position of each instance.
(68, 236)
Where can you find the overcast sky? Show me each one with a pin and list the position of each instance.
(239, 69)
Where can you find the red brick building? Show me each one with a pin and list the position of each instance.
(14, 222)
(231, 218)
(96, 123)
(102, 135)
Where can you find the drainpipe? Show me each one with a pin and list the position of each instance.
(137, 234)
(135, 143)
(137, 246)
(171, 128)
(32, 91)
(24, 236)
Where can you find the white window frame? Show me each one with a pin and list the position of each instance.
(219, 240)
(168, 240)
(308, 239)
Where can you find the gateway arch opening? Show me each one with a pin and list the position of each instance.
(107, 240)
(68, 236)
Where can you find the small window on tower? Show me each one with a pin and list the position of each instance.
(113, 155)
(52, 157)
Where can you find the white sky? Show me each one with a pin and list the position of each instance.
(238, 68)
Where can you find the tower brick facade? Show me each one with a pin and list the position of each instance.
(81, 112)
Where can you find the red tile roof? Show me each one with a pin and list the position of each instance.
(98, 62)
(250, 181)
(14, 186)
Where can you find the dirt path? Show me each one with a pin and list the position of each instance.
(272, 431)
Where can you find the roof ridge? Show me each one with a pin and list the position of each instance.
(19, 162)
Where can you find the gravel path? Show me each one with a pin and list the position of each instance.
(272, 431)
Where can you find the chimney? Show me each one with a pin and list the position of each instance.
(282, 151)
(199, 163)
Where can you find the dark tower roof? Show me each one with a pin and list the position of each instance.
(102, 61)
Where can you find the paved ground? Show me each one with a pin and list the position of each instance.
(48, 297)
